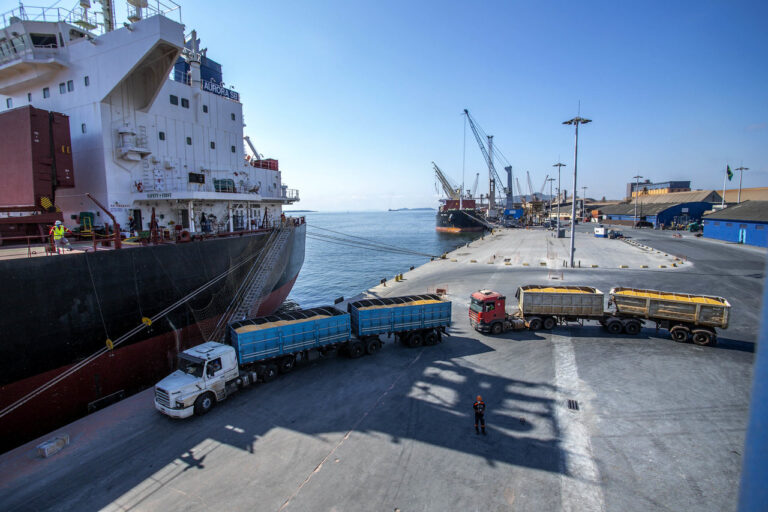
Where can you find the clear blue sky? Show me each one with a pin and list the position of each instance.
(356, 98)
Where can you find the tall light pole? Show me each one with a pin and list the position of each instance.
(741, 174)
(550, 180)
(637, 193)
(576, 121)
(559, 191)
(583, 204)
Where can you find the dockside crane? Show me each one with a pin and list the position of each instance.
(541, 192)
(530, 186)
(449, 188)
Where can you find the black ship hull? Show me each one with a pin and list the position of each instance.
(459, 221)
(60, 311)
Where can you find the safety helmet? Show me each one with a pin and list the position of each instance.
(479, 398)
(58, 223)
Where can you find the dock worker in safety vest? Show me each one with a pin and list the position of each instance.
(58, 231)
(479, 407)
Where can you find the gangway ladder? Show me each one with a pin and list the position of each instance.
(259, 281)
(479, 219)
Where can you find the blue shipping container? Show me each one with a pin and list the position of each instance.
(396, 314)
(302, 332)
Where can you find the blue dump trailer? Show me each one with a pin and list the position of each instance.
(414, 319)
(261, 348)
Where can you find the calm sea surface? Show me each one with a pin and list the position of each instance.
(332, 269)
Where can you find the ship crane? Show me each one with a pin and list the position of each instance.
(449, 188)
(488, 160)
(256, 154)
(474, 186)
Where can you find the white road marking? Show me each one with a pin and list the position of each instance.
(580, 482)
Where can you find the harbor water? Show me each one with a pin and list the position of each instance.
(334, 268)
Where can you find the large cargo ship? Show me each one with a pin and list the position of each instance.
(454, 216)
(161, 160)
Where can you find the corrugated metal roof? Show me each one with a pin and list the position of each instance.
(747, 194)
(642, 209)
(694, 196)
(754, 211)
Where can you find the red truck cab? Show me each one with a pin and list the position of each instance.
(486, 310)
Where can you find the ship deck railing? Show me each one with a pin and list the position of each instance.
(33, 246)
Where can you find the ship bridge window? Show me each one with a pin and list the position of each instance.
(62, 88)
(233, 116)
(43, 40)
(213, 145)
(233, 149)
(87, 81)
(161, 135)
(70, 86)
(174, 100)
(185, 102)
(205, 109)
(29, 97)
(189, 141)
(46, 92)
(9, 102)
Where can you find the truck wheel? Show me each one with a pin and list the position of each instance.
(497, 328)
(549, 323)
(632, 327)
(534, 323)
(355, 349)
(372, 346)
(702, 337)
(431, 338)
(614, 326)
(270, 373)
(204, 403)
(287, 364)
(415, 339)
(679, 334)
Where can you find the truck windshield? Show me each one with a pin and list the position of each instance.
(191, 366)
(476, 306)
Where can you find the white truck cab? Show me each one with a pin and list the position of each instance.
(200, 381)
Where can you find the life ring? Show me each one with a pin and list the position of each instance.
(184, 236)
(139, 186)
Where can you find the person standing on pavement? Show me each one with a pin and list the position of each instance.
(479, 407)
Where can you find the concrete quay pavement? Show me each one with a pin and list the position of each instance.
(660, 425)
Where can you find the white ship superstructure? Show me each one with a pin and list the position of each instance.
(141, 138)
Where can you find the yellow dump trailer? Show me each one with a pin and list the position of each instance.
(684, 315)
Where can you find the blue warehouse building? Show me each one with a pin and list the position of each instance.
(663, 210)
(745, 223)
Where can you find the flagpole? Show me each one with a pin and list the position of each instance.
(722, 202)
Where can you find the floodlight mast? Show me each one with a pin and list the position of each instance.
(576, 121)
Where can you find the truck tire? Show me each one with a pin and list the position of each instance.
(372, 346)
(415, 339)
(204, 403)
(633, 327)
(497, 328)
(702, 337)
(534, 323)
(680, 334)
(431, 338)
(614, 326)
(270, 373)
(355, 349)
(287, 364)
(549, 323)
